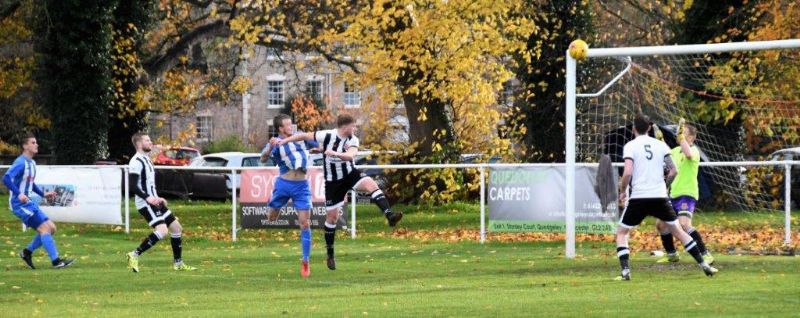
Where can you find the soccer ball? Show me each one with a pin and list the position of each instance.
(578, 49)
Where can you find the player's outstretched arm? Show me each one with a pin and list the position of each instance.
(350, 154)
(346, 156)
(297, 137)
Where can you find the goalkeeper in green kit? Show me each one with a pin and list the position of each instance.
(684, 193)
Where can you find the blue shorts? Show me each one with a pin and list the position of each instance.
(30, 214)
(299, 191)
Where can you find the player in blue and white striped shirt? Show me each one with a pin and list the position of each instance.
(19, 179)
(293, 160)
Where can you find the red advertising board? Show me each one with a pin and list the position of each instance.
(256, 192)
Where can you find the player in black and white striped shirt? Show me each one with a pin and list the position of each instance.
(340, 146)
(142, 178)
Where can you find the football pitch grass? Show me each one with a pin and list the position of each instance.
(378, 275)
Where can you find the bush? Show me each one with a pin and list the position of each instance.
(228, 144)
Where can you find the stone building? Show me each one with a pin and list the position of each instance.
(275, 81)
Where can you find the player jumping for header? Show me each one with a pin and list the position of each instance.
(340, 146)
(293, 161)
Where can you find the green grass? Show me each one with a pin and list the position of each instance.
(378, 275)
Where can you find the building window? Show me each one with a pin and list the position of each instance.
(275, 94)
(203, 127)
(273, 54)
(352, 97)
(314, 89)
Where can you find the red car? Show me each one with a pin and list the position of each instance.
(176, 156)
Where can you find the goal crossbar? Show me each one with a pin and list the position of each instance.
(626, 52)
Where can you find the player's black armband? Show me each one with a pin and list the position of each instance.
(133, 183)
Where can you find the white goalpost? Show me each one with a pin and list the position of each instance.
(689, 81)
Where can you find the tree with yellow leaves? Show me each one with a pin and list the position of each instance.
(448, 60)
(21, 111)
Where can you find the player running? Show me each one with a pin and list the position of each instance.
(645, 158)
(293, 161)
(19, 179)
(340, 146)
(684, 192)
(154, 209)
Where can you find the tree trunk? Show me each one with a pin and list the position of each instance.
(435, 128)
(122, 123)
(77, 65)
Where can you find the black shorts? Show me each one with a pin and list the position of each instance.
(155, 215)
(336, 191)
(638, 209)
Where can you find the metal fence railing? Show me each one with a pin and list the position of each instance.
(481, 167)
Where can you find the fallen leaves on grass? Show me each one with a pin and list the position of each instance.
(751, 240)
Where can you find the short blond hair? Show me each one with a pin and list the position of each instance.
(690, 130)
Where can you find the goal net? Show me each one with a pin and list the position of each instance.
(743, 98)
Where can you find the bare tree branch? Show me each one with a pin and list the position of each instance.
(609, 11)
(200, 3)
(158, 65)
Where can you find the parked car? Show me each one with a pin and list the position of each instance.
(176, 156)
(231, 160)
(207, 184)
(476, 157)
(789, 154)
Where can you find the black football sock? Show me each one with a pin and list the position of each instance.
(177, 247)
(669, 244)
(380, 200)
(699, 239)
(330, 235)
(148, 242)
(624, 255)
(692, 249)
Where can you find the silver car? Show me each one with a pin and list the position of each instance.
(231, 160)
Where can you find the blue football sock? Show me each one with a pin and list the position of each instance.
(305, 240)
(49, 246)
(36, 243)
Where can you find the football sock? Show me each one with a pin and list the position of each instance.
(699, 239)
(177, 247)
(49, 246)
(305, 242)
(147, 243)
(669, 244)
(623, 254)
(380, 200)
(35, 243)
(330, 235)
(692, 249)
